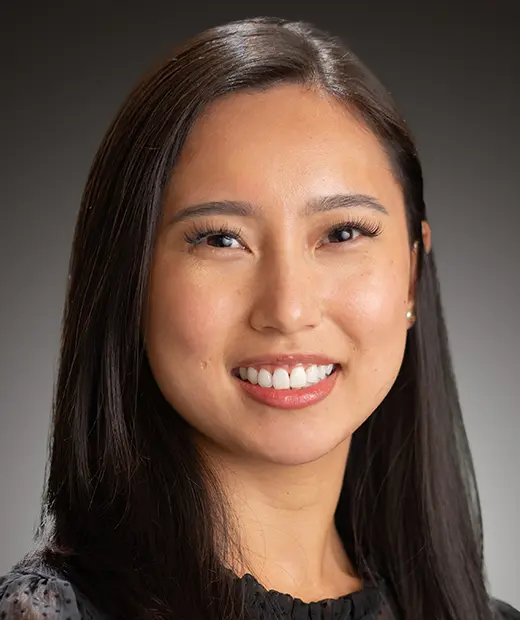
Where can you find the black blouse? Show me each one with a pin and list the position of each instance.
(41, 593)
(262, 603)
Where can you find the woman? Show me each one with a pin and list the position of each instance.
(255, 413)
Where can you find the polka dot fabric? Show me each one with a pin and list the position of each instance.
(35, 596)
(40, 595)
(266, 604)
(28, 595)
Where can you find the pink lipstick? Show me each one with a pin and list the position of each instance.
(291, 398)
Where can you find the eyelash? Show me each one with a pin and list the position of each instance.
(368, 228)
(197, 233)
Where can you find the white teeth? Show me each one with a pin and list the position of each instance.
(265, 378)
(298, 377)
(252, 375)
(312, 374)
(281, 380)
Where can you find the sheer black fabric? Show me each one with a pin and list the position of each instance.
(39, 592)
(266, 604)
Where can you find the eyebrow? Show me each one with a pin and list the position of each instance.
(246, 209)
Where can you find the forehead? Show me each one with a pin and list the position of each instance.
(288, 142)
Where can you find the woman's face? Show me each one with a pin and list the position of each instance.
(284, 234)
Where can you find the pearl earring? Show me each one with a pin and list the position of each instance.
(410, 315)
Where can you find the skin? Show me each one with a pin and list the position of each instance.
(285, 287)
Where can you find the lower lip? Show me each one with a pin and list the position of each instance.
(291, 399)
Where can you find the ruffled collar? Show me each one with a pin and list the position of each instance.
(265, 604)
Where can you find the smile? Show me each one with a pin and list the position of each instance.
(283, 378)
(278, 388)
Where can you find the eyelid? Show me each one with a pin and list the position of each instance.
(197, 233)
(369, 227)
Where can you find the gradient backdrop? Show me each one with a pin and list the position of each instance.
(453, 68)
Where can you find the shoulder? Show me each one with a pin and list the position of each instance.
(504, 611)
(31, 594)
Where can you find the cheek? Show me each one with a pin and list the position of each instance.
(376, 290)
(373, 315)
(190, 314)
(378, 301)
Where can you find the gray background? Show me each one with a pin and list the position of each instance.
(454, 73)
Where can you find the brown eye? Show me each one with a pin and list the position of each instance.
(221, 241)
(351, 229)
(214, 237)
(342, 233)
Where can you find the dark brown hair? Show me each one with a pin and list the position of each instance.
(131, 514)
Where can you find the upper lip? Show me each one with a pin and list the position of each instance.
(287, 359)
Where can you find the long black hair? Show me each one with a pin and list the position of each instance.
(131, 513)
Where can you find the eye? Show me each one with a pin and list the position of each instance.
(221, 237)
(351, 230)
(345, 233)
(221, 241)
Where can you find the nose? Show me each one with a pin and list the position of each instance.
(286, 296)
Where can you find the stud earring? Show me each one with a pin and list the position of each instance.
(410, 315)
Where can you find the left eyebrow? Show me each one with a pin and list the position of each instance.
(246, 209)
(343, 201)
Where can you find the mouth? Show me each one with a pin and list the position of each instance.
(282, 389)
(286, 377)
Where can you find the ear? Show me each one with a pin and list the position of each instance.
(427, 243)
(426, 236)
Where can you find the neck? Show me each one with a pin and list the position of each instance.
(284, 516)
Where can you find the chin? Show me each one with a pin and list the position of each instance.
(299, 444)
